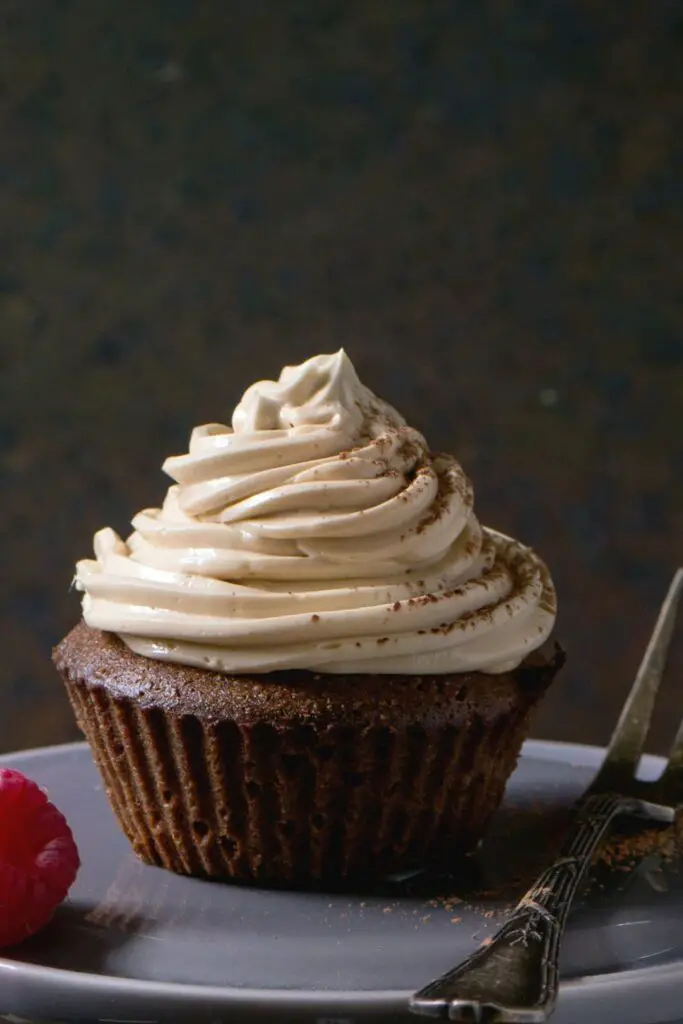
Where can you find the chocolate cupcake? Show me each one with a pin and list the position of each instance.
(312, 665)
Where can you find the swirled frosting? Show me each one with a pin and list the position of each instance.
(318, 532)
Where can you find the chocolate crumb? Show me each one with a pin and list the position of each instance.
(623, 852)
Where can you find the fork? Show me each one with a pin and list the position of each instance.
(515, 977)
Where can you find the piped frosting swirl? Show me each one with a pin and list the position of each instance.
(318, 532)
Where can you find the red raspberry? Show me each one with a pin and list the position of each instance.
(38, 858)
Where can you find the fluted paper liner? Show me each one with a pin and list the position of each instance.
(294, 805)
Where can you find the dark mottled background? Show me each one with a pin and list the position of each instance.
(481, 201)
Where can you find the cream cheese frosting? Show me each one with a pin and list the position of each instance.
(318, 532)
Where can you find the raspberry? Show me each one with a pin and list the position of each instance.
(38, 858)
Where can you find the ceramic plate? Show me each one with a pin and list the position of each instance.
(135, 943)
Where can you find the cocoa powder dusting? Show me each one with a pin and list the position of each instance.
(446, 490)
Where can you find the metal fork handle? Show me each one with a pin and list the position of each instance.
(515, 977)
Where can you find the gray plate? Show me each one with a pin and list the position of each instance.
(136, 943)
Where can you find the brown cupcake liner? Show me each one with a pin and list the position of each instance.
(295, 804)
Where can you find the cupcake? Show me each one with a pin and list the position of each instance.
(312, 665)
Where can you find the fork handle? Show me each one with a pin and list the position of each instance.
(515, 977)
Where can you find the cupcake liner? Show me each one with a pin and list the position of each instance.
(296, 804)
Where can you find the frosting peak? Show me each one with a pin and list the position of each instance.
(325, 390)
(318, 532)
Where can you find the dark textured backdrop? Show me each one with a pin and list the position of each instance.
(481, 200)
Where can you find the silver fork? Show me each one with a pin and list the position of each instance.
(515, 978)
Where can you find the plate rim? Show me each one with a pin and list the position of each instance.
(574, 991)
